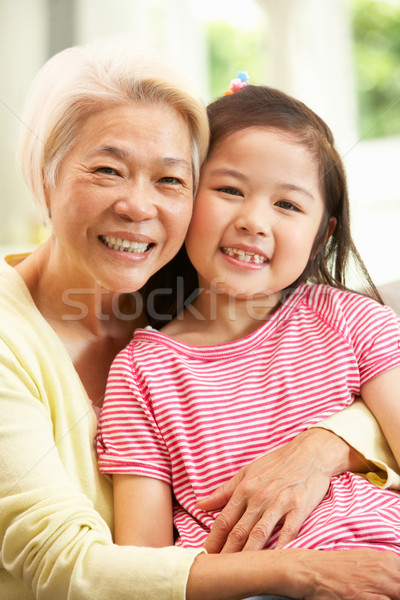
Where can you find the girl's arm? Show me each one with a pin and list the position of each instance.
(142, 511)
(382, 396)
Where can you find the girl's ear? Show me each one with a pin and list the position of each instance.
(330, 229)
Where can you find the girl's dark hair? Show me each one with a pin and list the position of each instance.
(261, 106)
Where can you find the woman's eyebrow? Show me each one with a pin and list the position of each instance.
(177, 162)
(113, 150)
(125, 155)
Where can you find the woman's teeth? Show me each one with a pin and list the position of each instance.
(249, 257)
(124, 245)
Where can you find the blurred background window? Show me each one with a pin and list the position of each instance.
(342, 57)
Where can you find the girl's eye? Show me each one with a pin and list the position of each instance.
(106, 171)
(231, 191)
(287, 205)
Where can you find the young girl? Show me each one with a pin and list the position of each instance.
(273, 343)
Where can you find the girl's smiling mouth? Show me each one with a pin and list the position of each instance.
(246, 256)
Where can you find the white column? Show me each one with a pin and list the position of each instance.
(23, 41)
(310, 58)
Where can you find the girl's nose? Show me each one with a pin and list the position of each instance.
(254, 220)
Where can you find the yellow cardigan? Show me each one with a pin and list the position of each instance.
(55, 507)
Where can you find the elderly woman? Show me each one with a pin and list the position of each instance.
(111, 149)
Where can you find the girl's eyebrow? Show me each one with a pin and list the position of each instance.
(231, 172)
(290, 187)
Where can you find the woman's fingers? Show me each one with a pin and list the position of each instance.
(257, 506)
(291, 527)
(225, 523)
(283, 486)
(221, 496)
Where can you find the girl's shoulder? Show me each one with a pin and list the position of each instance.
(326, 295)
(343, 308)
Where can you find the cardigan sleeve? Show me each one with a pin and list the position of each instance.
(357, 426)
(52, 538)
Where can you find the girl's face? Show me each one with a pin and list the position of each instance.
(256, 215)
(123, 198)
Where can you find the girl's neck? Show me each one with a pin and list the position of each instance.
(217, 318)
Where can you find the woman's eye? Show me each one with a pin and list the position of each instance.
(106, 171)
(287, 205)
(170, 180)
(231, 191)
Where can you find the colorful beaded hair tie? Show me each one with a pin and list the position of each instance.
(238, 83)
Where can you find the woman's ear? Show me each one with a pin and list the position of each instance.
(46, 196)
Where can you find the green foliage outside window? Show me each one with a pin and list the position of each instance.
(376, 31)
(231, 50)
(376, 43)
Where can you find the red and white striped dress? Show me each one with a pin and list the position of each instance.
(192, 416)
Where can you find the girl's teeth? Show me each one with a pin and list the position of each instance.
(124, 245)
(245, 256)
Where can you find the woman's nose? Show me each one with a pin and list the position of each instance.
(137, 202)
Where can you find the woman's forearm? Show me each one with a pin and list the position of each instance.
(335, 454)
(235, 576)
(368, 449)
(296, 573)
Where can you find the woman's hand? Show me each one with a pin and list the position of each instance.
(365, 574)
(283, 486)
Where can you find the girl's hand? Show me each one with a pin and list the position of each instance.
(283, 486)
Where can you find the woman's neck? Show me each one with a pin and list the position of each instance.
(92, 323)
(64, 298)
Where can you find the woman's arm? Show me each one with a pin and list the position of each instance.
(382, 396)
(55, 543)
(296, 573)
(142, 511)
(357, 426)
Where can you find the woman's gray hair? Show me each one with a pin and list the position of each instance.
(83, 79)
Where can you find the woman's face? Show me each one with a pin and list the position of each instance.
(123, 197)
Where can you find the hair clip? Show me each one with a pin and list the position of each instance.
(238, 83)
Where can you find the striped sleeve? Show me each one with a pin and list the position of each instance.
(129, 440)
(372, 330)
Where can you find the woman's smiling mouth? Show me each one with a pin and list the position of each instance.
(124, 245)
